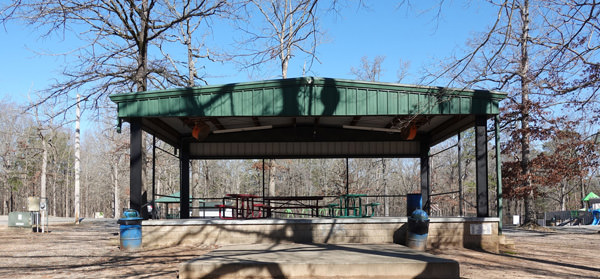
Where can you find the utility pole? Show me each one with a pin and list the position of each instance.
(43, 199)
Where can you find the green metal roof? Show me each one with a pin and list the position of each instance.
(589, 196)
(307, 117)
(306, 97)
(172, 198)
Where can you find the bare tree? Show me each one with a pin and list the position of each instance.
(402, 72)
(13, 139)
(370, 71)
(45, 139)
(190, 33)
(115, 154)
(544, 55)
(287, 28)
(116, 42)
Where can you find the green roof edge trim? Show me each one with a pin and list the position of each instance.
(307, 96)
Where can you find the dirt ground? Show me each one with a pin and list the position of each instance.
(90, 250)
(560, 252)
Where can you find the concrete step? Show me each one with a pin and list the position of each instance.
(318, 261)
(506, 244)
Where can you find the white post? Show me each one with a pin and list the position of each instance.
(77, 160)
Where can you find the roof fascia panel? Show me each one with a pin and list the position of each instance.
(306, 97)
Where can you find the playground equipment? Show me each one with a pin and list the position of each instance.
(593, 201)
(569, 217)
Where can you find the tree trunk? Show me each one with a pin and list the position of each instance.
(159, 187)
(192, 72)
(117, 205)
(195, 169)
(582, 187)
(525, 117)
(282, 53)
(54, 196)
(563, 196)
(206, 179)
(4, 203)
(67, 194)
(386, 199)
(44, 168)
(141, 78)
(85, 198)
(284, 67)
(11, 204)
(272, 174)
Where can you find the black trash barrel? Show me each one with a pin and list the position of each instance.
(130, 230)
(418, 229)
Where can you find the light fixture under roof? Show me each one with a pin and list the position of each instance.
(244, 129)
(411, 135)
(200, 130)
(375, 129)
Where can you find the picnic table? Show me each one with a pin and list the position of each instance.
(243, 206)
(351, 205)
(275, 203)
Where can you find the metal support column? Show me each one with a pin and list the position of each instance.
(153, 176)
(498, 171)
(184, 180)
(461, 197)
(481, 166)
(263, 177)
(425, 177)
(135, 165)
(347, 177)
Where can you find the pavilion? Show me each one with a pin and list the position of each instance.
(309, 117)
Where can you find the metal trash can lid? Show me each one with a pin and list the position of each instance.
(420, 215)
(130, 217)
(130, 213)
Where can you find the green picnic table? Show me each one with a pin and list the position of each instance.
(351, 205)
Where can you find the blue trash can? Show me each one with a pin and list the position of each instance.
(130, 230)
(596, 214)
(418, 229)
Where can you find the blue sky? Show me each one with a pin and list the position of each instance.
(382, 29)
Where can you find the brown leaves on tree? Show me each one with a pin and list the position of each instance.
(566, 156)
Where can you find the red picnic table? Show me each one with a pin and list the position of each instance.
(243, 207)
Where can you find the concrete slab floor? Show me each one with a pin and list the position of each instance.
(318, 261)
